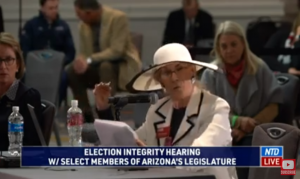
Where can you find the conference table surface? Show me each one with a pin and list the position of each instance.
(99, 173)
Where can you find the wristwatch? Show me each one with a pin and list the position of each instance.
(89, 61)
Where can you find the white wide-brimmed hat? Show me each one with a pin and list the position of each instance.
(173, 52)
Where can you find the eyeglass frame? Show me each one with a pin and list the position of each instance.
(168, 74)
(8, 61)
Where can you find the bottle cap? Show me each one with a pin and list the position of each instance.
(15, 108)
(74, 103)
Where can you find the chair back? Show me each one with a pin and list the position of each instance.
(43, 72)
(137, 40)
(206, 43)
(259, 31)
(290, 87)
(275, 134)
(48, 115)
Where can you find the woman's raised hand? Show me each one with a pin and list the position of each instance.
(102, 92)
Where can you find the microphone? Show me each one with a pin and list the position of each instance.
(151, 98)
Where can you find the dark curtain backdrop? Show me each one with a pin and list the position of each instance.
(1, 20)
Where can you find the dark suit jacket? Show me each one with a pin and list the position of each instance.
(176, 27)
(24, 96)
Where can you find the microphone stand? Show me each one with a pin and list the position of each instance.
(122, 102)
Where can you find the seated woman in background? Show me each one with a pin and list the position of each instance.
(15, 93)
(244, 81)
(187, 116)
(287, 37)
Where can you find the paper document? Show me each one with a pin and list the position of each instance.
(115, 133)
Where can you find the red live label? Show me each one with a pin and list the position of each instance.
(288, 167)
(271, 161)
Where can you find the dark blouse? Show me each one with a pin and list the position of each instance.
(177, 117)
(20, 95)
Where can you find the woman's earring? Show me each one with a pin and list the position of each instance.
(193, 80)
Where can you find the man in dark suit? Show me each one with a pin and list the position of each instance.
(188, 25)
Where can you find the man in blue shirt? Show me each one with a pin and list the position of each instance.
(49, 31)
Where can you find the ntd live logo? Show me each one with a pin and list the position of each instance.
(271, 156)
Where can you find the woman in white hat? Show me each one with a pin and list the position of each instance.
(188, 115)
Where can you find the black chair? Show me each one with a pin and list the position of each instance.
(290, 87)
(43, 72)
(207, 43)
(275, 134)
(49, 111)
(259, 31)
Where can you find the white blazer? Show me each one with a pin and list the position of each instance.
(206, 123)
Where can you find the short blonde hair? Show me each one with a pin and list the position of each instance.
(9, 40)
(229, 27)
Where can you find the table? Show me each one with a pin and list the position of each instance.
(100, 173)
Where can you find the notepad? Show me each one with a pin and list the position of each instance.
(115, 133)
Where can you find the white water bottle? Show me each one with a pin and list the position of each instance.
(75, 123)
(15, 132)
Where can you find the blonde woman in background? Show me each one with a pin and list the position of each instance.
(245, 82)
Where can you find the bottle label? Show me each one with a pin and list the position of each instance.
(15, 127)
(75, 119)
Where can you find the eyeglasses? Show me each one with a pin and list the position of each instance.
(179, 71)
(8, 61)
